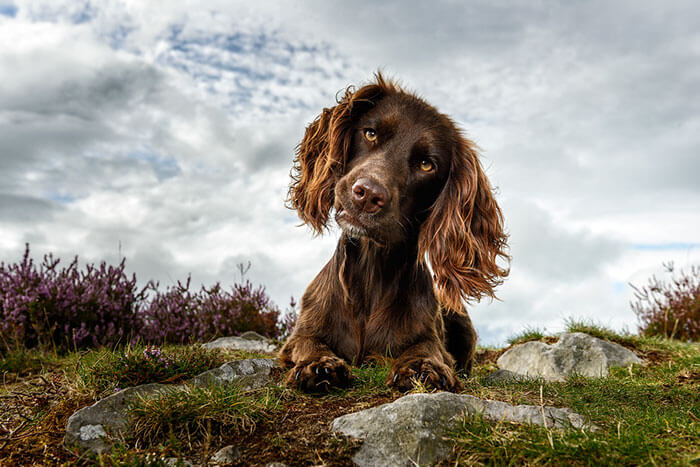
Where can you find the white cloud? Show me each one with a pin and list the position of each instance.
(169, 129)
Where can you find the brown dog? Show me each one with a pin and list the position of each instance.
(405, 185)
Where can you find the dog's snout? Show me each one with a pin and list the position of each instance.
(368, 196)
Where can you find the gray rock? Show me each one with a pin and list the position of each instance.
(275, 464)
(411, 430)
(250, 341)
(226, 456)
(93, 427)
(574, 353)
(97, 426)
(250, 374)
(177, 462)
(253, 336)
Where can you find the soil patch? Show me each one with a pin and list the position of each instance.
(303, 436)
(33, 416)
(650, 356)
(485, 356)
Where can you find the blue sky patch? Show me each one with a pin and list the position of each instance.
(164, 167)
(619, 287)
(8, 10)
(61, 198)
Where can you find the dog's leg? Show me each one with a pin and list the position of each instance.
(427, 362)
(313, 366)
(460, 338)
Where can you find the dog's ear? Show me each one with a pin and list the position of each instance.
(323, 153)
(463, 236)
(315, 172)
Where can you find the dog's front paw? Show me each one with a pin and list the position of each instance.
(405, 374)
(320, 375)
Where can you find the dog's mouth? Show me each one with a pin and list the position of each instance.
(349, 223)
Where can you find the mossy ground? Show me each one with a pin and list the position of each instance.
(648, 415)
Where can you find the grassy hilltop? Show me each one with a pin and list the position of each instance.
(648, 414)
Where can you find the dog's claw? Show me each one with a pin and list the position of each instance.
(296, 377)
(423, 377)
(326, 371)
(444, 381)
(396, 377)
(317, 371)
(325, 385)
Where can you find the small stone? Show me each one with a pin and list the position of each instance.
(249, 343)
(90, 432)
(178, 462)
(95, 426)
(250, 374)
(574, 353)
(226, 456)
(253, 336)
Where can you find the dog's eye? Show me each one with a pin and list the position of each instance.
(370, 134)
(426, 165)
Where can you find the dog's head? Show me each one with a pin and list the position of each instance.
(396, 170)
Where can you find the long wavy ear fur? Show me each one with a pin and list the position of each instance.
(463, 237)
(322, 154)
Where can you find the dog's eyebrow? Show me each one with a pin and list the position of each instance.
(423, 146)
(388, 123)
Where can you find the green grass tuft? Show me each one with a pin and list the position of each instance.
(198, 412)
(597, 330)
(106, 370)
(529, 334)
(21, 362)
(369, 378)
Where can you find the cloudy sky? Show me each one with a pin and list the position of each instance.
(164, 132)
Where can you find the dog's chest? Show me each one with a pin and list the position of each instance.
(382, 333)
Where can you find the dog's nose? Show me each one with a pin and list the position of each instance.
(368, 196)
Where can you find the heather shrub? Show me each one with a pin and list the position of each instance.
(170, 316)
(244, 308)
(288, 320)
(67, 308)
(63, 307)
(179, 315)
(670, 308)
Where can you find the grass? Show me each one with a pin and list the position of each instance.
(21, 362)
(528, 334)
(647, 414)
(573, 325)
(200, 412)
(41, 390)
(106, 370)
(597, 330)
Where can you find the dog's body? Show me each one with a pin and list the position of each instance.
(404, 185)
